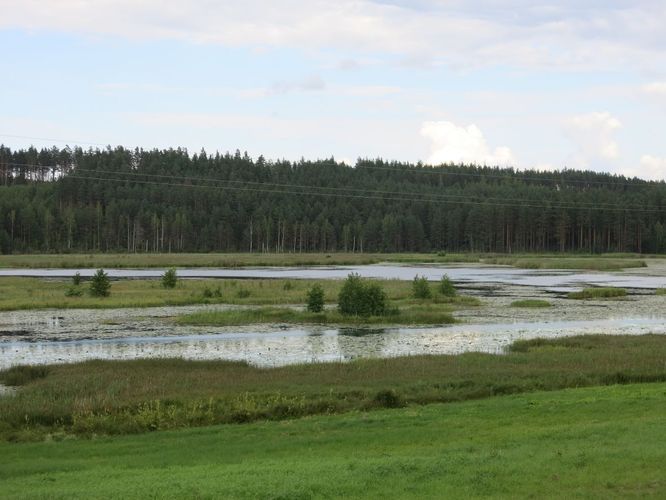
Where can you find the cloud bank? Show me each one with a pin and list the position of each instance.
(562, 34)
(455, 144)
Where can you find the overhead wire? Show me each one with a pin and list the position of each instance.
(428, 170)
(432, 196)
(408, 198)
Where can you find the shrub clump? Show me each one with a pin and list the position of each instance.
(315, 299)
(100, 285)
(388, 399)
(446, 287)
(210, 293)
(170, 278)
(22, 374)
(73, 291)
(598, 293)
(360, 298)
(421, 288)
(530, 303)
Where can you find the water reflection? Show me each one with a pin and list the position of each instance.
(316, 344)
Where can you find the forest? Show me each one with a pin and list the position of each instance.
(123, 200)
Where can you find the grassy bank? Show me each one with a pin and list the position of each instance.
(35, 293)
(588, 443)
(598, 293)
(604, 262)
(589, 263)
(415, 315)
(116, 397)
(72, 261)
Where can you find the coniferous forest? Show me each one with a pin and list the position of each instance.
(116, 199)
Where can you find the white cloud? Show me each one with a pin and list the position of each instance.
(309, 84)
(650, 167)
(566, 33)
(454, 144)
(593, 133)
(655, 89)
(655, 93)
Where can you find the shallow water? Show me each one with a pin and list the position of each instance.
(550, 279)
(70, 335)
(275, 346)
(6, 391)
(55, 336)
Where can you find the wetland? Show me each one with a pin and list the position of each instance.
(43, 326)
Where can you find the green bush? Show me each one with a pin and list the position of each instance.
(358, 298)
(531, 303)
(208, 293)
(421, 288)
(76, 279)
(23, 374)
(388, 399)
(315, 299)
(73, 291)
(170, 278)
(243, 293)
(598, 293)
(100, 286)
(446, 287)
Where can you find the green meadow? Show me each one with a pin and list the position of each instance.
(600, 442)
(129, 397)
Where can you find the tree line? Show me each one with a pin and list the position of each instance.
(122, 200)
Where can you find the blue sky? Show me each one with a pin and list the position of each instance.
(511, 82)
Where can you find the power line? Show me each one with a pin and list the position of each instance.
(347, 195)
(432, 170)
(343, 189)
(444, 197)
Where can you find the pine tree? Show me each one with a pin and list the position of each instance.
(100, 286)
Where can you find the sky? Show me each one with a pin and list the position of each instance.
(528, 84)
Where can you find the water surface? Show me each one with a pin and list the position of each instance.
(552, 279)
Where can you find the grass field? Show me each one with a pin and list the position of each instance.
(121, 397)
(585, 443)
(35, 293)
(603, 262)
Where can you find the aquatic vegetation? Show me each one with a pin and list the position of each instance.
(598, 293)
(536, 303)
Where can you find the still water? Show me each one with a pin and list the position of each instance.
(56, 336)
(551, 279)
(275, 346)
